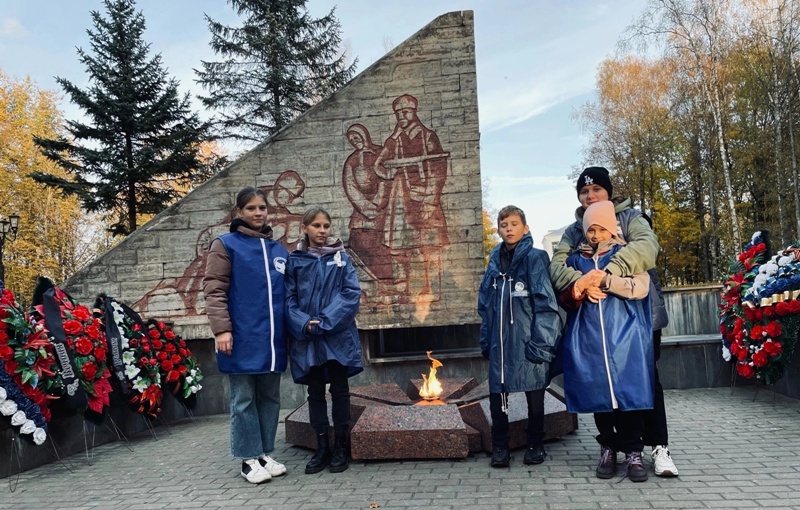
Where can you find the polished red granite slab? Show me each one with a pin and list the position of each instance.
(557, 421)
(479, 392)
(410, 432)
(387, 393)
(298, 425)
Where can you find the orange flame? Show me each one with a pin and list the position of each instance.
(431, 387)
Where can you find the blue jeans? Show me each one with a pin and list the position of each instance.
(255, 405)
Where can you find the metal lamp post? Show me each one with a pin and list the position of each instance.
(7, 226)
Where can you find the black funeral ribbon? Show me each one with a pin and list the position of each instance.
(76, 396)
(114, 339)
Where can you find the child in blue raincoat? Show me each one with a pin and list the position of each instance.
(607, 347)
(520, 327)
(322, 298)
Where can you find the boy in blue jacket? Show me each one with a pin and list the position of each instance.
(520, 327)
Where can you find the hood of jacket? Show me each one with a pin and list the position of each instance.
(620, 204)
(242, 227)
(520, 252)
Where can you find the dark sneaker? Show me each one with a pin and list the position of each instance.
(534, 455)
(500, 457)
(607, 467)
(634, 467)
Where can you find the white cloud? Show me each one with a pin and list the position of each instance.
(11, 28)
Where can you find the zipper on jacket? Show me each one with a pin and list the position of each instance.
(269, 297)
(605, 345)
(503, 398)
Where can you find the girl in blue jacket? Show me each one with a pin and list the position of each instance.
(607, 349)
(322, 298)
(244, 295)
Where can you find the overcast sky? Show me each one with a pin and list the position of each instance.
(536, 61)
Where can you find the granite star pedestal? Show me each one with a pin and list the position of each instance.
(389, 422)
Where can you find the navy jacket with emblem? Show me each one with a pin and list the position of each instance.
(326, 289)
(520, 321)
(253, 295)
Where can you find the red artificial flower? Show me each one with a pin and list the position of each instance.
(769, 312)
(760, 358)
(774, 329)
(167, 365)
(773, 348)
(6, 353)
(162, 355)
(184, 352)
(136, 327)
(133, 342)
(83, 346)
(11, 366)
(99, 353)
(169, 335)
(182, 343)
(745, 370)
(794, 306)
(4, 338)
(89, 371)
(783, 308)
(742, 354)
(182, 369)
(143, 362)
(162, 326)
(153, 333)
(93, 332)
(158, 344)
(175, 359)
(756, 332)
(735, 348)
(172, 376)
(170, 348)
(72, 327)
(3, 315)
(82, 313)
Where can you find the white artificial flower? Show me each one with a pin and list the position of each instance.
(18, 418)
(189, 379)
(770, 268)
(8, 407)
(192, 372)
(39, 436)
(140, 385)
(28, 427)
(3, 394)
(131, 371)
(726, 353)
(756, 237)
(127, 357)
(786, 259)
(195, 389)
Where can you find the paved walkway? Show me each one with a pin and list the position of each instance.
(732, 452)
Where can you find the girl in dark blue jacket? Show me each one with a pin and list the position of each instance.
(322, 298)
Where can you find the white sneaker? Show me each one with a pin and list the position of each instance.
(662, 462)
(253, 472)
(274, 467)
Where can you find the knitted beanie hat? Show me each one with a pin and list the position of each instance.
(600, 213)
(595, 175)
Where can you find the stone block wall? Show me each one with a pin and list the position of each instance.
(393, 156)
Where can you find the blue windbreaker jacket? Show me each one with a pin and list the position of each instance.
(608, 350)
(520, 323)
(324, 289)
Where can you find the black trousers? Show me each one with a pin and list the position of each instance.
(655, 420)
(340, 396)
(620, 430)
(535, 431)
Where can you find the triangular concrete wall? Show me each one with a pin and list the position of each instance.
(418, 244)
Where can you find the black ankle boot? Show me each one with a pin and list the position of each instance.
(322, 456)
(340, 461)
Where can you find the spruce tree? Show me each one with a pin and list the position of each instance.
(140, 142)
(279, 63)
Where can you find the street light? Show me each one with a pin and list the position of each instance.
(7, 226)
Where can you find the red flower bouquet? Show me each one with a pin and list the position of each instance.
(760, 311)
(27, 353)
(179, 368)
